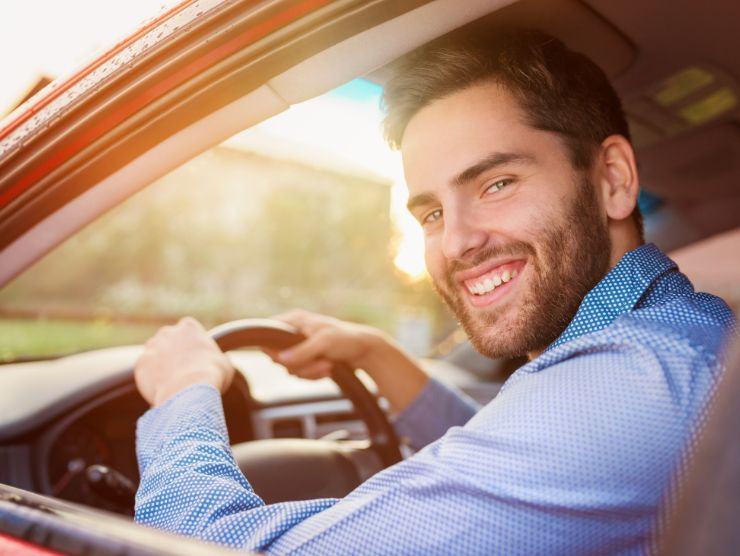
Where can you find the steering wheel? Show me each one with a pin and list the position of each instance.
(282, 469)
(291, 469)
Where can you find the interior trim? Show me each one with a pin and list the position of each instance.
(352, 57)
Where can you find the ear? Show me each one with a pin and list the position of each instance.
(617, 177)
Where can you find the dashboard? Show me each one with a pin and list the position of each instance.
(99, 433)
(62, 416)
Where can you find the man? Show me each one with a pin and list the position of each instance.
(520, 171)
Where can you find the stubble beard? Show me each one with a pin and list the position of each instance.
(572, 258)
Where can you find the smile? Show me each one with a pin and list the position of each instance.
(492, 284)
(490, 281)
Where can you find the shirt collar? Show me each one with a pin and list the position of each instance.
(618, 292)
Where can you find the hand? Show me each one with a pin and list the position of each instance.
(330, 341)
(177, 357)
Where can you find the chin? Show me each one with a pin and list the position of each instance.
(494, 336)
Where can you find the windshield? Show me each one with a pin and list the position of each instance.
(305, 210)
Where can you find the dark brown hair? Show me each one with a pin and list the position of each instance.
(560, 90)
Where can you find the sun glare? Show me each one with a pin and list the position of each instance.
(409, 257)
(341, 131)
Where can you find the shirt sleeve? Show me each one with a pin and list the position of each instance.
(191, 484)
(571, 459)
(437, 408)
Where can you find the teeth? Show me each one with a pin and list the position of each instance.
(490, 283)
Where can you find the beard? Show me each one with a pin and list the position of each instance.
(572, 257)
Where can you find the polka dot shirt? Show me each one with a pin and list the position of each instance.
(578, 453)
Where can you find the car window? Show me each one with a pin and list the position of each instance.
(304, 210)
(67, 37)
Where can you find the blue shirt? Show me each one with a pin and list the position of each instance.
(578, 452)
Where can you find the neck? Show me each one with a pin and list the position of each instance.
(624, 238)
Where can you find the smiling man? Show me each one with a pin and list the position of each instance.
(520, 170)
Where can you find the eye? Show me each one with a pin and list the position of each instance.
(498, 185)
(431, 217)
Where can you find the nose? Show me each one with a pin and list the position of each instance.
(463, 236)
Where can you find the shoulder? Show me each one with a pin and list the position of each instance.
(606, 406)
(682, 338)
(667, 353)
(700, 319)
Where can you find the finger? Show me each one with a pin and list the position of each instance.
(272, 353)
(164, 331)
(297, 318)
(320, 368)
(305, 321)
(301, 354)
(312, 376)
(290, 316)
(190, 322)
(193, 329)
(141, 362)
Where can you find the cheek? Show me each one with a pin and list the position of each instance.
(433, 257)
(530, 218)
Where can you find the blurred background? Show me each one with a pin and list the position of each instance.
(305, 210)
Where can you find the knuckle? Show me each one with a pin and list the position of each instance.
(324, 338)
(191, 322)
(293, 314)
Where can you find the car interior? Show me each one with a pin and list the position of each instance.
(210, 70)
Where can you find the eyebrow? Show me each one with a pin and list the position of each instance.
(491, 161)
(487, 163)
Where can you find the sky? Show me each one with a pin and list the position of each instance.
(55, 37)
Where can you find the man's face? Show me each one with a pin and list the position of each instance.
(515, 236)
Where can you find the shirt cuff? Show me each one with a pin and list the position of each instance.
(196, 407)
(437, 408)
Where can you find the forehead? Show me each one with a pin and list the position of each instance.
(451, 134)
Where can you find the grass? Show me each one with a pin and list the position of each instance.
(44, 338)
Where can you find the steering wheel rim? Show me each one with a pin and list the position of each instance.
(279, 335)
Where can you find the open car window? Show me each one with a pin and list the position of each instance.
(304, 210)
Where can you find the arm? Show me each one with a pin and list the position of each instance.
(555, 464)
(397, 374)
(190, 483)
(425, 408)
(434, 411)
